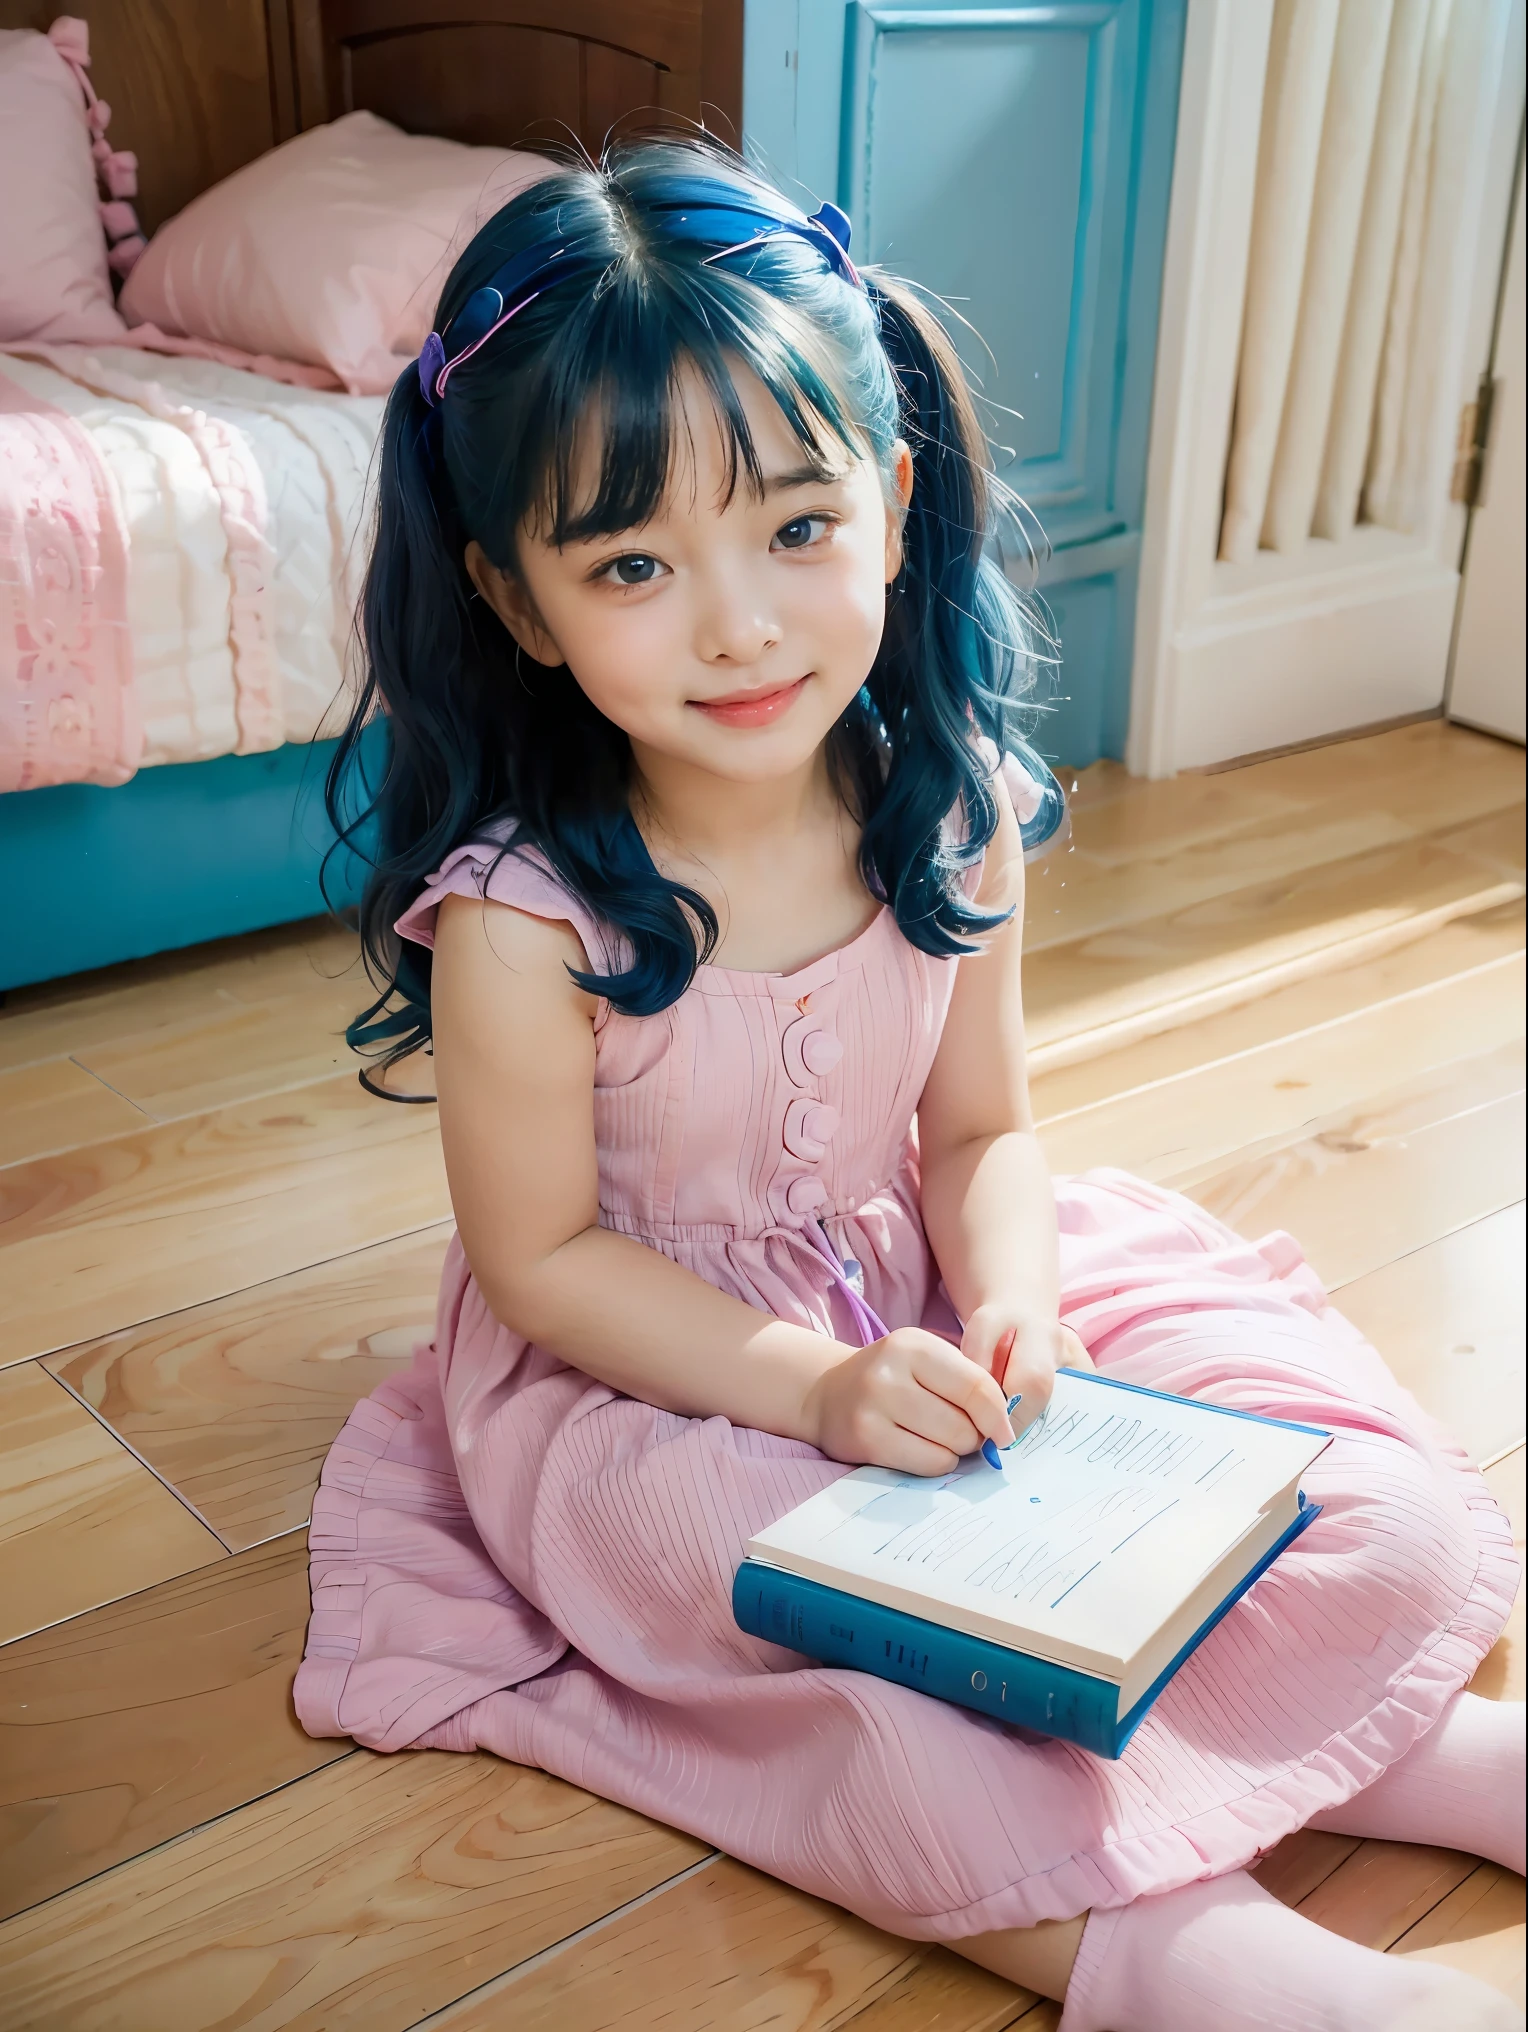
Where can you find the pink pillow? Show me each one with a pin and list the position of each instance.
(54, 281)
(331, 250)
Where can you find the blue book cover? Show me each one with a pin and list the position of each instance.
(1062, 1591)
(1011, 1686)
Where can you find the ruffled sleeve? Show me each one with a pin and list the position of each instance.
(1027, 793)
(1039, 803)
(501, 872)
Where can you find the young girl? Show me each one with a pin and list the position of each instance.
(696, 680)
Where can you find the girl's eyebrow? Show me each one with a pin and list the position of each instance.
(802, 476)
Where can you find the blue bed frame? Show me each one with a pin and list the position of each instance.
(178, 854)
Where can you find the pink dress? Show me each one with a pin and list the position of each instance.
(508, 1556)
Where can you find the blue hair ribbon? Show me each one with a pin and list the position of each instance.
(695, 215)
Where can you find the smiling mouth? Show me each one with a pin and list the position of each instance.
(750, 708)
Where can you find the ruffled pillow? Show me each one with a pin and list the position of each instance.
(329, 251)
(66, 193)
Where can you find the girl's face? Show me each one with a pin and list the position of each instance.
(729, 634)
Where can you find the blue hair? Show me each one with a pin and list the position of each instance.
(479, 737)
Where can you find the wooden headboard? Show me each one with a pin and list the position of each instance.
(200, 87)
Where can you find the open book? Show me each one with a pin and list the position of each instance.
(1060, 1591)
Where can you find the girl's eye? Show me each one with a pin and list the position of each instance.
(632, 571)
(802, 533)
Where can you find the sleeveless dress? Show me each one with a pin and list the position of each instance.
(508, 1556)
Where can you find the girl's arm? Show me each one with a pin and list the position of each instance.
(514, 1055)
(988, 1205)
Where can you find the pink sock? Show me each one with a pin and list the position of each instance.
(1225, 1956)
(1460, 1787)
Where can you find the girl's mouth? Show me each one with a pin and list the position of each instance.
(750, 708)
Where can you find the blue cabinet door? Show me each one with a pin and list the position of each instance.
(1016, 161)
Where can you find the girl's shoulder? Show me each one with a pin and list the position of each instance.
(499, 868)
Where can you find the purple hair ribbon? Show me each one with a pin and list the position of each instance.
(435, 369)
(432, 358)
(450, 366)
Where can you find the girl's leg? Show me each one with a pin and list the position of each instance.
(1035, 1957)
(1461, 1787)
(1225, 1956)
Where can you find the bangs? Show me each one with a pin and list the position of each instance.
(614, 427)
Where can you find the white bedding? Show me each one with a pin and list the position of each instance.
(245, 504)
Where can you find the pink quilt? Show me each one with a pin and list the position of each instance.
(68, 708)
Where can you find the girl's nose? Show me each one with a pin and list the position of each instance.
(733, 624)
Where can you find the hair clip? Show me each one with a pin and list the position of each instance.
(432, 357)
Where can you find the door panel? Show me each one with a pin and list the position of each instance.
(1016, 161)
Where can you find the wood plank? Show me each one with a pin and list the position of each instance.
(58, 1018)
(1100, 992)
(1423, 773)
(1070, 894)
(1384, 1888)
(81, 1521)
(54, 1104)
(126, 1727)
(121, 1231)
(1302, 1862)
(1497, 838)
(367, 1896)
(942, 1993)
(235, 1402)
(1457, 948)
(1399, 770)
(1478, 1928)
(1180, 1128)
(1389, 1176)
(1042, 2017)
(1149, 819)
(1450, 1321)
(244, 1049)
(726, 1947)
(1503, 1673)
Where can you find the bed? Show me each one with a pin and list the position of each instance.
(219, 829)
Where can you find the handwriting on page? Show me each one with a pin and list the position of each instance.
(1038, 1558)
(1154, 1449)
(1082, 1485)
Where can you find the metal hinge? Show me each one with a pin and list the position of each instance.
(1470, 446)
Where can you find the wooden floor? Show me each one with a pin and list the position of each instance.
(1295, 990)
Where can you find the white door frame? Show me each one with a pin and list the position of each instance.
(1233, 659)
(1486, 682)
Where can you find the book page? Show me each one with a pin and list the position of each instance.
(1104, 1517)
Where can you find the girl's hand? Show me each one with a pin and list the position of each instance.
(909, 1402)
(1023, 1349)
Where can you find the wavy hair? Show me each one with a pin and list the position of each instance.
(482, 743)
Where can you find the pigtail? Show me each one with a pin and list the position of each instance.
(479, 739)
(427, 663)
(951, 655)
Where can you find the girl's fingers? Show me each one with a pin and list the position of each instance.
(1032, 1384)
(951, 1375)
(1074, 1351)
(909, 1453)
(933, 1417)
(986, 1342)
